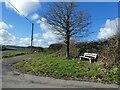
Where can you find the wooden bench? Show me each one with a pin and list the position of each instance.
(90, 56)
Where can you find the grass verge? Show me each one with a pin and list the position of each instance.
(12, 54)
(24, 52)
(67, 69)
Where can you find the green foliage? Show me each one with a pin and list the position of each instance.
(73, 50)
(67, 69)
(26, 51)
(12, 54)
(107, 51)
(118, 71)
(47, 51)
(92, 47)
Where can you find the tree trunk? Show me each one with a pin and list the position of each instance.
(68, 47)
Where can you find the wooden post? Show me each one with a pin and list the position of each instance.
(32, 37)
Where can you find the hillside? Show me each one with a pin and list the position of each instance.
(10, 47)
(106, 50)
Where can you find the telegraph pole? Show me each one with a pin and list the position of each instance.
(26, 19)
(32, 37)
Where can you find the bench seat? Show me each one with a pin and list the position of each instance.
(89, 56)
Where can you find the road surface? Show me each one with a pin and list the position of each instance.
(14, 79)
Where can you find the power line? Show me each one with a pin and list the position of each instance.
(19, 11)
(27, 20)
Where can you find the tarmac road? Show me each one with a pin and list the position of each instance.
(14, 79)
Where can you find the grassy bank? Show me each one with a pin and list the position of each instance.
(12, 54)
(24, 52)
(67, 69)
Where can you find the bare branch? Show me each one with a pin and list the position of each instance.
(67, 20)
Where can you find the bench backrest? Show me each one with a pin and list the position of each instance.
(94, 55)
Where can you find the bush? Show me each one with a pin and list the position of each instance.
(73, 50)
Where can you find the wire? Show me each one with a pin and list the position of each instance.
(94, 19)
(26, 19)
(19, 12)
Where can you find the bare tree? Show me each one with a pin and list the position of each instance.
(67, 20)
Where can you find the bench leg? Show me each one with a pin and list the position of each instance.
(80, 58)
(90, 60)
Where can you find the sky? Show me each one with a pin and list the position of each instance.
(16, 30)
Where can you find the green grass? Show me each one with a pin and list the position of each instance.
(17, 53)
(24, 52)
(67, 69)
(47, 51)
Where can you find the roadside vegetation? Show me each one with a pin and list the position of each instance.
(47, 51)
(53, 66)
(62, 60)
(17, 53)
(25, 52)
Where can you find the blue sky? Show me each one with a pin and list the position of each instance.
(101, 13)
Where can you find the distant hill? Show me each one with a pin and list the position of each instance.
(55, 47)
(36, 49)
(10, 47)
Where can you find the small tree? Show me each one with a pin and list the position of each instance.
(67, 20)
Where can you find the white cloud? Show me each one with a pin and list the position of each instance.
(24, 6)
(36, 35)
(48, 37)
(24, 41)
(3, 25)
(110, 29)
(40, 42)
(6, 38)
(43, 24)
(49, 34)
(35, 16)
(1, 1)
